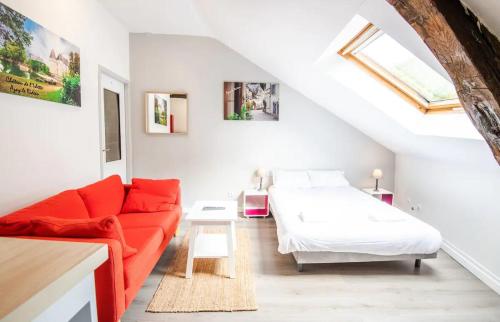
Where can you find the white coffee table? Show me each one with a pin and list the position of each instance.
(204, 245)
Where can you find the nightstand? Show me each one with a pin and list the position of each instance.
(255, 203)
(382, 194)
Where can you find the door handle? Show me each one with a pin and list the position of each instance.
(106, 150)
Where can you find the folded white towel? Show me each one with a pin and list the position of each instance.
(323, 212)
(345, 211)
(311, 215)
(378, 218)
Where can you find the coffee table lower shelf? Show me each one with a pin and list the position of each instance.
(210, 246)
(206, 245)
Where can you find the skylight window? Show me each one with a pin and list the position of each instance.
(398, 68)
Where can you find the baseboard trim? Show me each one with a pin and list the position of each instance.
(481, 272)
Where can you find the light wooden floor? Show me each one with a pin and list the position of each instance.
(392, 291)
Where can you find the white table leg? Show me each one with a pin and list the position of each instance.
(77, 305)
(230, 250)
(192, 239)
(93, 303)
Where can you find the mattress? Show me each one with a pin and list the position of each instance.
(352, 221)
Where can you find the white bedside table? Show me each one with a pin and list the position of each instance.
(255, 203)
(382, 194)
(212, 245)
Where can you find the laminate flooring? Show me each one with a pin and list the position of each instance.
(442, 290)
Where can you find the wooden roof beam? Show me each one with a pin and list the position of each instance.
(468, 51)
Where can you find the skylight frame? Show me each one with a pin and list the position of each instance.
(368, 34)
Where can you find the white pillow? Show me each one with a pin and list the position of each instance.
(327, 178)
(291, 179)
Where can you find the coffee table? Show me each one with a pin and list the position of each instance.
(212, 245)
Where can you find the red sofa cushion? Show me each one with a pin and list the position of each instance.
(66, 204)
(15, 227)
(106, 227)
(166, 220)
(103, 198)
(167, 188)
(140, 201)
(147, 241)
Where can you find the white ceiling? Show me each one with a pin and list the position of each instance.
(287, 39)
(177, 17)
(181, 16)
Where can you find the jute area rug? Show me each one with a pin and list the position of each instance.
(210, 289)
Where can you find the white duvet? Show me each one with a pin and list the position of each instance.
(345, 219)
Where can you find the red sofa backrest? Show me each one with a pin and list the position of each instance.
(105, 197)
(127, 187)
(102, 198)
(67, 204)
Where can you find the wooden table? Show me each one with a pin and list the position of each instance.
(43, 280)
(211, 245)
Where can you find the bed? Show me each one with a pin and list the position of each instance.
(321, 218)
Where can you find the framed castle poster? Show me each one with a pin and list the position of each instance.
(35, 62)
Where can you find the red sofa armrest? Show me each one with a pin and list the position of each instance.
(109, 278)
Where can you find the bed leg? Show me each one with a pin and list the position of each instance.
(300, 267)
(418, 263)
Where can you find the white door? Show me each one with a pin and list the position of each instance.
(113, 130)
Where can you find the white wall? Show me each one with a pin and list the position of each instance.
(48, 147)
(218, 157)
(457, 186)
(461, 200)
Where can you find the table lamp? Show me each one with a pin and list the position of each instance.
(261, 173)
(377, 174)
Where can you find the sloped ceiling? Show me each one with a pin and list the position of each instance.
(287, 37)
(487, 11)
(177, 17)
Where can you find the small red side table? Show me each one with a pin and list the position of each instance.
(255, 203)
(382, 194)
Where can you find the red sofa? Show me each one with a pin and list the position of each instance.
(119, 279)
